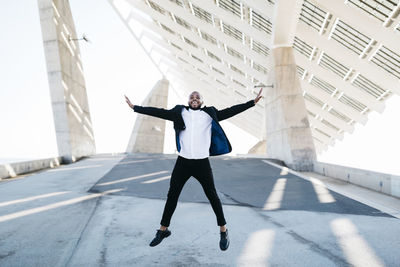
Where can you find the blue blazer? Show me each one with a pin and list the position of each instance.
(219, 142)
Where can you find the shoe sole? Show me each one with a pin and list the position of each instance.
(223, 249)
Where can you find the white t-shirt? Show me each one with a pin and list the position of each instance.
(195, 140)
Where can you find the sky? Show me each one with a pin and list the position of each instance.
(114, 64)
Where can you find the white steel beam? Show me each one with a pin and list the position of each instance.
(286, 17)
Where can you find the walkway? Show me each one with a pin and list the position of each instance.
(104, 210)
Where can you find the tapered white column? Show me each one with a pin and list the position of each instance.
(148, 132)
(287, 127)
(66, 81)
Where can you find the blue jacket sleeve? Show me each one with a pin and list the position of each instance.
(166, 114)
(234, 110)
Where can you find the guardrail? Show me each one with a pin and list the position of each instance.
(9, 170)
(381, 182)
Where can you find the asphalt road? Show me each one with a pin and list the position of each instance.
(239, 181)
(104, 210)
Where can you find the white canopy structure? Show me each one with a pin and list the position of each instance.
(347, 53)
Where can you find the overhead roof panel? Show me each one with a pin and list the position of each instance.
(350, 38)
(369, 87)
(380, 9)
(259, 68)
(319, 83)
(339, 115)
(333, 65)
(202, 14)
(260, 22)
(232, 31)
(208, 37)
(353, 103)
(312, 15)
(260, 48)
(313, 99)
(327, 123)
(157, 8)
(302, 47)
(178, 2)
(387, 60)
(234, 53)
(183, 23)
(211, 55)
(346, 68)
(232, 6)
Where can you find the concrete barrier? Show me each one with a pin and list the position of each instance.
(13, 169)
(381, 182)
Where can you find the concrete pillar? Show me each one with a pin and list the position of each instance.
(148, 132)
(66, 81)
(259, 149)
(287, 128)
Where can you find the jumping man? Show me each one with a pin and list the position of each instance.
(198, 136)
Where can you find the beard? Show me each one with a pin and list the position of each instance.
(195, 108)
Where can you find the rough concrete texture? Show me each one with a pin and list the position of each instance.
(259, 149)
(71, 114)
(150, 128)
(287, 128)
(13, 169)
(380, 182)
(50, 219)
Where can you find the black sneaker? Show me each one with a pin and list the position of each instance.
(160, 235)
(224, 242)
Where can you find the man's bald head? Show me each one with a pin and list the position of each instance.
(195, 100)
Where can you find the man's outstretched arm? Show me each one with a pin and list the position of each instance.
(236, 109)
(151, 111)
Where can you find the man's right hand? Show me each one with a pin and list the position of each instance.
(129, 102)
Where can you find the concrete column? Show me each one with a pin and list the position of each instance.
(148, 132)
(259, 149)
(66, 81)
(287, 128)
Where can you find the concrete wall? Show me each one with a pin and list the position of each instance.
(72, 121)
(148, 133)
(381, 182)
(18, 168)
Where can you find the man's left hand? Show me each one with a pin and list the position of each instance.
(258, 97)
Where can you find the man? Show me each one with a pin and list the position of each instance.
(198, 136)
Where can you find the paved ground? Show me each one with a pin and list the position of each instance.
(245, 182)
(103, 211)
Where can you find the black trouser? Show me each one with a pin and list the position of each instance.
(183, 170)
